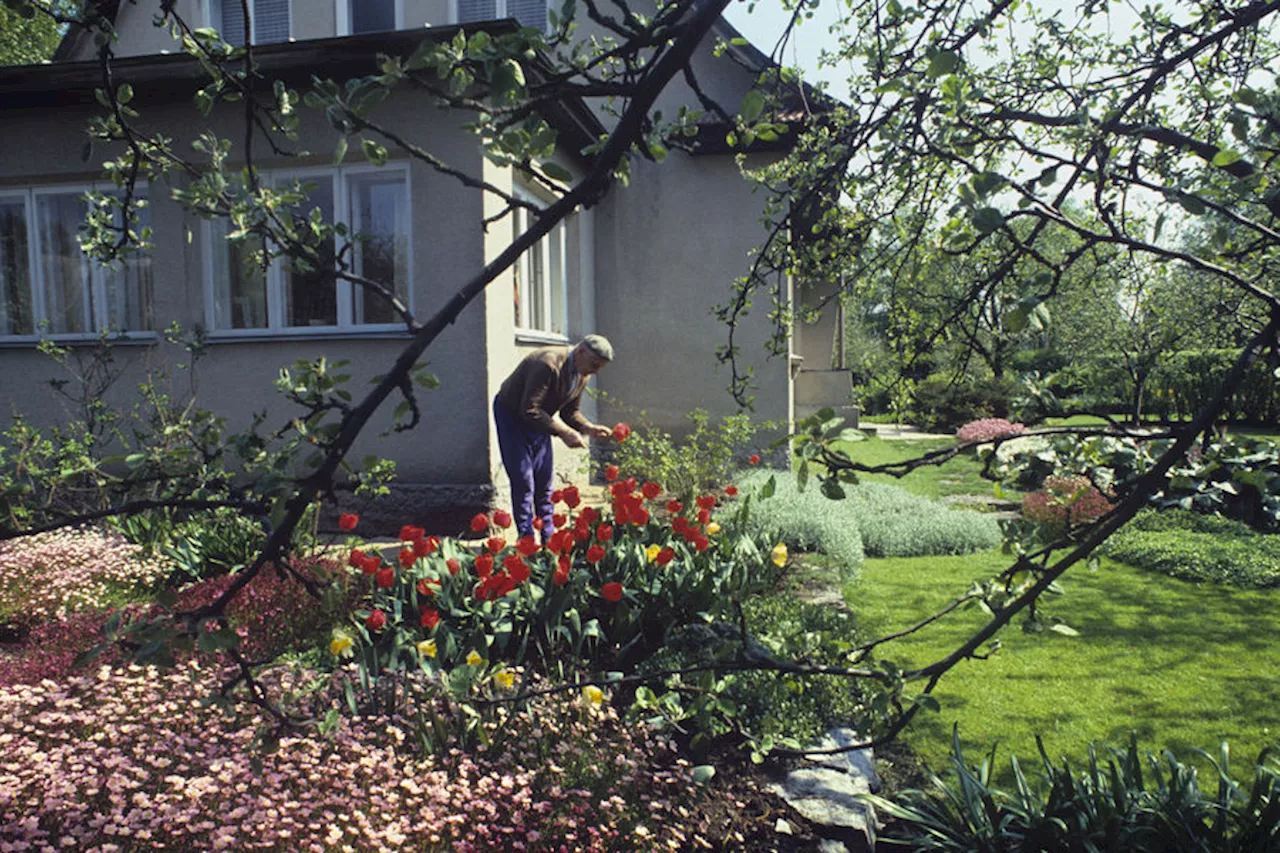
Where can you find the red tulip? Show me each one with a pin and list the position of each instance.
(703, 516)
(538, 524)
(407, 557)
(376, 620)
(453, 565)
(479, 522)
(674, 506)
(355, 559)
(370, 563)
(559, 520)
(502, 518)
(409, 533)
(430, 619)
(706, 501)
(621, 432)
(611, 591)
(604, 532)
(666, 555)
(595, 554)
(484, 565)
(348, 521)
(731, 491)
(572, 498)
(611, 472)
(754, 459)
(385, 577)
(557, 496)
(527, 546)
(651, 490)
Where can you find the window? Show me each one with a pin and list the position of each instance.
(367, 16)
(530, 13)
(374, 204)
(270, 20)
(48, 286)
(541, 282)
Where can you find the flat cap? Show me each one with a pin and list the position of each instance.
(599, 345)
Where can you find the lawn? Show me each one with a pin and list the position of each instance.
(959, 476)
(1182, 665)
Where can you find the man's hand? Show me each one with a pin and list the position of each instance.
(598, 431)
(572, 439)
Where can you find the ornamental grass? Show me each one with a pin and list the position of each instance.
(51, 575)
(134, 758)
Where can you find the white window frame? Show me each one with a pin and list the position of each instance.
(499, 12)
(559, 233)
(213, 19)
(342, 16)
(275, 285)
(95, 295)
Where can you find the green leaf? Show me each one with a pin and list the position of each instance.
(556, 172)
(374, 153)
(752, 106)
(943, 62)
(832, 489)
(703, 773)
(340, 150)
(1225, 157)
(770, 487)
(1065, 630)
(987, 219)
(124, 94)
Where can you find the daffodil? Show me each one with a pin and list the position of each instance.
(504, 679)
(652, 552)
(341, 645)
(779, 554)
(473, 658)
(427, 648)
(594, 695)
(713, 528)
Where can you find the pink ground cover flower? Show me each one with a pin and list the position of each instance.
(130, 756)
(987, 429)
(1065, 502)
(51, 575)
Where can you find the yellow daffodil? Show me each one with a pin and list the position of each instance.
(779, 554)
(504, 679)
(427, 648)
(473, 658)
(341, 645)
(713, 528)
(594, 695)
(652, 552)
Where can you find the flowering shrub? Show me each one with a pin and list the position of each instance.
(51, 575)
(1064, 503)
(131, 757)
(273, 612)
(987, 429)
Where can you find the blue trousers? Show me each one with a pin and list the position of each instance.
(526, 456)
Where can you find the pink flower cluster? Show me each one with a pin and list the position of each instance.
(1065, 502)
(273, 612)
(131, 758)
(50, 650)
(50, 575)
(987, 429)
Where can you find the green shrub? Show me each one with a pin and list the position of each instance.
(769, 707)
(702, 460)
(874, 520)
(1128, 803)
(1206, 557)
(805, 521)
(1183, 520)
(941, 406)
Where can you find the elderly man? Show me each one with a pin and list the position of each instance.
(547, 382)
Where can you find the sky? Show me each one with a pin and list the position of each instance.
(765, 22)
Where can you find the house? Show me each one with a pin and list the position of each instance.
(644, 267)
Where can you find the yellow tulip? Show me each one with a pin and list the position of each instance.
(427, 648)
(652, 552)
(473, 658)
(504, 679)
(779, 554)
(341, 645)
(593, 694)
(713, 528)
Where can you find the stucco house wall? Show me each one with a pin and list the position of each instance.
(646, 267)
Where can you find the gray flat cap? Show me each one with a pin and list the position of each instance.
(599, 345)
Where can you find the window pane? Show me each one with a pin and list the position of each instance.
(519, 223)
(380, 220)
(470, 11)
(530, 13)
(63, 267)
(128, 289)
(538, 285)
(270, 21)
(15, 272)
(311, 297)
(230, 21)
(371, 16)
(239, 282)
(555, 320)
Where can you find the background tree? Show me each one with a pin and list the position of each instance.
(26, 37)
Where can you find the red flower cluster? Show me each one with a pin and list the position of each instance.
(367, 563)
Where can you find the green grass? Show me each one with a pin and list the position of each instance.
(1182, 665)
(959, 476)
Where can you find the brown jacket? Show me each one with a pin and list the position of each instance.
(543, 384)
